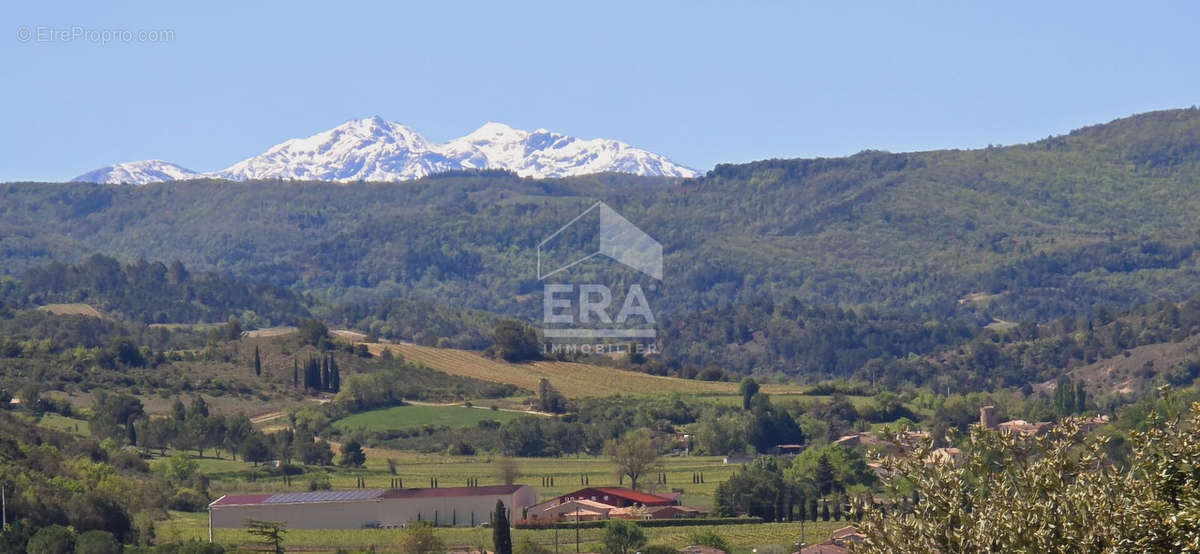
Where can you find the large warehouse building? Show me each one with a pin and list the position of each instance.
(356, 509)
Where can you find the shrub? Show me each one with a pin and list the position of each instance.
(97, 542)
(129, 461)
(622, 537)
(319, 483)
(187, 500)
(710, 538)
(419, 538)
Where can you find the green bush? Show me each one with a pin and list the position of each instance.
(187, 500)
(682, 522)
(97, 542)
(710, 538)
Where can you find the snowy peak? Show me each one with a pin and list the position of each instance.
(138, 173)
(370, 149)
(494, 132)
(374, 149)
(544, 153)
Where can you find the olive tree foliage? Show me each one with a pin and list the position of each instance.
(1055, 493)
(634, 454)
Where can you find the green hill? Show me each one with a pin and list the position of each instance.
(1102, 215)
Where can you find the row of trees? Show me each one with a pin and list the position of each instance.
(780, 490)
(321, 374)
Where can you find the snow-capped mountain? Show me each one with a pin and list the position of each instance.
(138, 173)
(365, 149)
(373, 149)
(543, 153)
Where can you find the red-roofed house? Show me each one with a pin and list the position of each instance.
(620, 497)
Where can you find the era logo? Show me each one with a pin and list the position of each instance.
(594, 301)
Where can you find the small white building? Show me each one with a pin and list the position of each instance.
(364, 508)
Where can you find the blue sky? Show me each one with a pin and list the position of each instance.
(701, 82)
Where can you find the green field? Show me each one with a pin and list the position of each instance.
(67, 424)
(765, 537)
(401, 417)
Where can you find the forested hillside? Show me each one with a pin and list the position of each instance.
(1104, 215)
(154, 292)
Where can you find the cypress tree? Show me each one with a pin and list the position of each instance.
(312, 374)
(257, 362)
(295, 374)
(501, 538)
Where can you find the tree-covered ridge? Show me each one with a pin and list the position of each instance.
(897, 349)
(1104, 215)
(815, 341)
(154, 292)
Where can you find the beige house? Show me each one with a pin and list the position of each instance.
(364, 508)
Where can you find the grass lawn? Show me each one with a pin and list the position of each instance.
(766, 537)
(401, 417)
(67, 424)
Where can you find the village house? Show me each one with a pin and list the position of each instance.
(840, 542)
(989, 419)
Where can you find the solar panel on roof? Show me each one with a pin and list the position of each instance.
(323, 496)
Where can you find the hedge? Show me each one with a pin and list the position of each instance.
(680, 522)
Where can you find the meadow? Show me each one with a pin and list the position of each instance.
(415, 415)
(743, 539)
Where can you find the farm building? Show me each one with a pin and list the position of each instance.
(600, 503)
(356, 509)
(620, 497)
